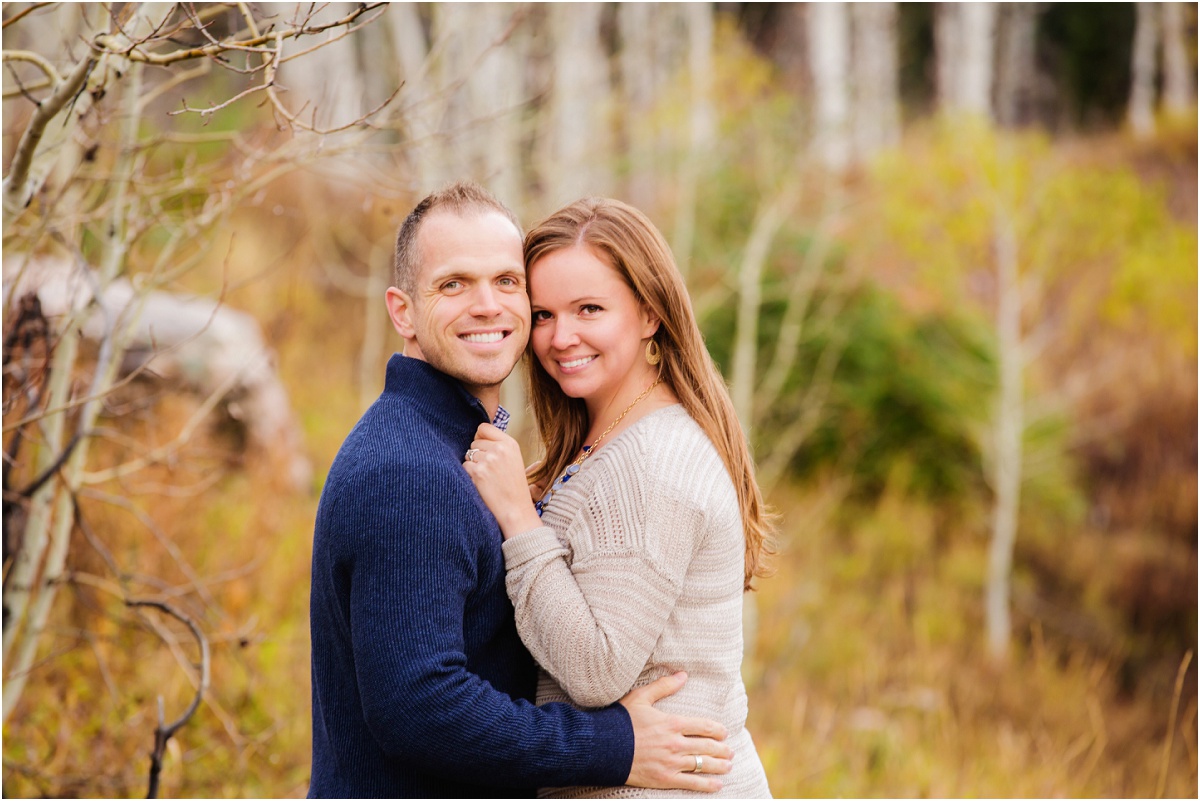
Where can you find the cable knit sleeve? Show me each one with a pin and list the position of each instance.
(592, 605)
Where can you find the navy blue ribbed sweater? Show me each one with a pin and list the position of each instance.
(421, 687)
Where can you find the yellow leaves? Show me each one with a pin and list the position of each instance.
(1096, 228)
(1156, 283)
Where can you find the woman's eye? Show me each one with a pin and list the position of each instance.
(590, 308)
(541, 316)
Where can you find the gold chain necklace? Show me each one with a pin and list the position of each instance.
(588, 450)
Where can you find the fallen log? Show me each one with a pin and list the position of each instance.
(197, 343)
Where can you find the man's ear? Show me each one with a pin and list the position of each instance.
(400, 309)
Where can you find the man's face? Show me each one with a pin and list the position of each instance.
(468, 315)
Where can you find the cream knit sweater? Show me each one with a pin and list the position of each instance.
(637, 573)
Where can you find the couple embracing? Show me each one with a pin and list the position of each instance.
(575, 629)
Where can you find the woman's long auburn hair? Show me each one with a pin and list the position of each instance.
(626, 239)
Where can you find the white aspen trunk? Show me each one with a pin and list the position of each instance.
(1016, 70)
(420, 101)
(19, 584)
(1141, 92)
(965, 36)
(328, 80)
(638, 88)
(947, 33)
(829, 63)
(670, 42)
(975, 70)
(771, 215)
(579, 137)
(453, 54)
(1179, 90)
(876, 79)
(701, 127)
(53, 539)
(1008, 428)
(494, 90)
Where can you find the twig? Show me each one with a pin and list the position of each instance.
(204, 112)
(162, 732)
(24, 12)
(49, 472)
(23, 90)
(1166, 758)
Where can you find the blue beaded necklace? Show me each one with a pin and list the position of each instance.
(573, 467)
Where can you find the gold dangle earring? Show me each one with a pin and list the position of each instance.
(653, 352)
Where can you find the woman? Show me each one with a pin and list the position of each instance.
(648, 524)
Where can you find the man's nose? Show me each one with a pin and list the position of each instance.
(485, 302)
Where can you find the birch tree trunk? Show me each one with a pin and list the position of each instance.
(27, 602)
(329, 82)
(1179, 90)
(701, 127)
(978, 56)
(1016, 69)
(421, 103)
(453, 51)
(772, 213)
(1142, 70)
(495, 87)
(965, 36)
(829, 54)
(876, 79)
(579, 138)
(1008, 428)
(639, 91)
(947, 38)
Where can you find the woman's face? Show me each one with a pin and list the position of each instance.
(588, 327)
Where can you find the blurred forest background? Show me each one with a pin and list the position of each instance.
(944, 253)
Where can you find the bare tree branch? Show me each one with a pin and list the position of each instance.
(24, 12)
(36, 59)
(164, 732)
(19, 186)
(110, 43)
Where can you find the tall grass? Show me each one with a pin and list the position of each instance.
(874, 681)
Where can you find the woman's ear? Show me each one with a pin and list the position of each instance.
(650, 322)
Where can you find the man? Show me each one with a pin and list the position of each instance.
(421, 687)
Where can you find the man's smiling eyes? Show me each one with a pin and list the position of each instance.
(458, 284)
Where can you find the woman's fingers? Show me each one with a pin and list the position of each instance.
(493, 461)
(487, 431)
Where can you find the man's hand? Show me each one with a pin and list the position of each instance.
(665, 746)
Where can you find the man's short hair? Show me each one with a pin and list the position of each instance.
(460, 198)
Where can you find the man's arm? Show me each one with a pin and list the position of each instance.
(415, 571)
